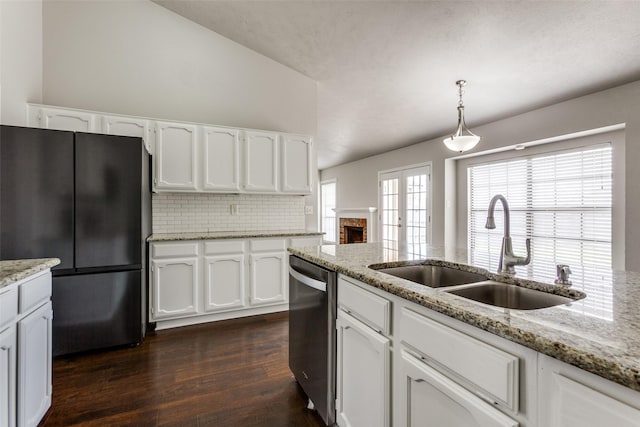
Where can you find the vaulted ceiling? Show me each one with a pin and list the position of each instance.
(386, 70)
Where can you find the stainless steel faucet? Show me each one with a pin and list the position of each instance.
(507, 258)
(562, 275)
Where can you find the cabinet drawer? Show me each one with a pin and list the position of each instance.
(8, 306)
(34, 291)
(366, 306)
(491, 372)
(267, 245)
(224, 247)
(162, 250)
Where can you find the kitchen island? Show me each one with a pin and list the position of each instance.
(25, 340)
(602, 339)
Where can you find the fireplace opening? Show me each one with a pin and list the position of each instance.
(353, 230)
(354, 234)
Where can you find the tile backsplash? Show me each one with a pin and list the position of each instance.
(178, 212)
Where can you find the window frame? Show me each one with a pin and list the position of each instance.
(321, 217)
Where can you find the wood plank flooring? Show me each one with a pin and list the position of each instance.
(231, 373)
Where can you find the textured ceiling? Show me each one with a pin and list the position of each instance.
(386, 70)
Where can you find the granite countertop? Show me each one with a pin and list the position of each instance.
(228, 235)
(600, 333)
(13, 270)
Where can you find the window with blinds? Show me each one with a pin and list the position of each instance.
(561, 200)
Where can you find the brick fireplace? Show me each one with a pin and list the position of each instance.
(353, 230)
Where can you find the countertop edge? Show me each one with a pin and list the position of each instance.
(12, 271)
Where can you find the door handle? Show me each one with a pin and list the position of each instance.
(312, 283)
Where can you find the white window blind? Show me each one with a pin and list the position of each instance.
(328, 215)
(562, 201)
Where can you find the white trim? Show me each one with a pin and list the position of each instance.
(321, 210)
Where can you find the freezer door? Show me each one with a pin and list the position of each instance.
(36, 194)
(108, 201)
(94, 311)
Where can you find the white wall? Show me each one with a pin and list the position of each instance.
(20, 58)
(357, 181)
(136, 57)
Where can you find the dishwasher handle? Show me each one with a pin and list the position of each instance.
(308, 281)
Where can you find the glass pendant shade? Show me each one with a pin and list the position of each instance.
(462, 139)
(461, 143)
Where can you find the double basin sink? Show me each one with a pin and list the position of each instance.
(476, 286)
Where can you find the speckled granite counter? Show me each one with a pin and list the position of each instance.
(229, 235)
(13, 270)
(600, 333)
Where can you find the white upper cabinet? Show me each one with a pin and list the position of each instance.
(62, 119)
(199, 158)
(129, 126)
(261, 161)
(296, 164)
(221, 158)
(175, 160)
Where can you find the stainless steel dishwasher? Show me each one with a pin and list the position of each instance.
(312, 333)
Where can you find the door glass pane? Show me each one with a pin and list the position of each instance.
(416, 215)
(389, 215)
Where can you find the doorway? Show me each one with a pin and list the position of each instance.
(405, 210)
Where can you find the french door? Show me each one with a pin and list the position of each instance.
(405, 216)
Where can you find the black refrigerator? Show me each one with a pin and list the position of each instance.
(83, 198)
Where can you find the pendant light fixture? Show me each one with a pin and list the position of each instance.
(462, 139)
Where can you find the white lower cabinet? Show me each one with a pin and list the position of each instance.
(363, 360)
(25, 351)
(175, 287)
(7, 377)
(224, 282)
(432, 400)
(34, 365)
(363, 373)
(570, 397)
(401, 364)
(268, 278)
(208, 280)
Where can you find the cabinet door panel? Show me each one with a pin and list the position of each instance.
(128, 126)
(176, 157)
(34, 366)
(433, 400)
(8, 377)
(363, 376)
(261, 161)
(268, 280)
(175, 288)
(296, 164)
(224, 282)
(576, 405)
(221, 159)
(60, 119)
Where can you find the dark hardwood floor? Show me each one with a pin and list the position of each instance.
(231, 373)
